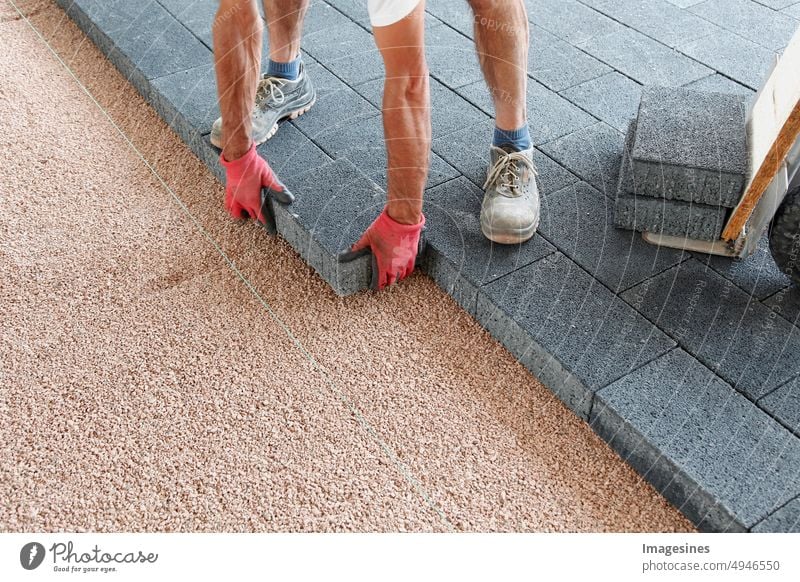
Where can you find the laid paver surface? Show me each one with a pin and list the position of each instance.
(606, 306)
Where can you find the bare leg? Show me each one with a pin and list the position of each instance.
(285, 25)
(237, 58)
(501, 38)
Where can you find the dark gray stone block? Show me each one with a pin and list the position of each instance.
(657, 19)
(579, 220)
(455, 13)
(363, 144)
(691, 146)
(612, 98)
(468, 151)
(334, 204)
(460, 258)
(449, 111)
(740, 339)
(705, 447)
(572, 333)
(784, 405)
(593, 153)
(660, 216)
(786, 303)
(643, 59)
(569, 20)
(550, 116)
(757, 275)
(348, 51)
(776, 4)
(451, 57)
(717, 83)
(785, 520)
(733, 56)
(755, 22)
(557, 64)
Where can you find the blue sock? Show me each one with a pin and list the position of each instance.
(517, 139)
(289, 71)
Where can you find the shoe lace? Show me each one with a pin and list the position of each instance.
(272, 87)
(504, 173)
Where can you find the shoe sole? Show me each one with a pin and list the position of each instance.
(509, 236)
(291, 115)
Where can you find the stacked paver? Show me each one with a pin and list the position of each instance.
(684, 164)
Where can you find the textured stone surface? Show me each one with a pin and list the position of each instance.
(785, 520)
(460, 258)
(786, 303)
(784, 405)
(660, 216)
(755, 22)
(690, 146)
(579, 220)
(612, 98)
(451, 57)
(455, 13)
(748, 345)
(717, 83)
(569, 20)
(703, 445)
(567, 329)
(557, 64)
(349, 53)
(468, 151)
(593, 153)
(549, 115)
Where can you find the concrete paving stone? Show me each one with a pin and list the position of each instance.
(334, 204)
(455, 13)
(733, 56)
(757, 275)
(684, 3)
(337, 104)
(657, 19)
(567, 329)
(146, 35)
(717, 83)
(349, 52)
(753, 21)
(793, 10)
(705, 447)
(468, 152)
(786, 303)
(784, 405)
(691, 146)
(612, 98)
(661, 216)
(550, 116)
(449, 111)
(739, 338)
(776, 4)
(593, 153)
(785, 520)
(451, 57)
(643, 59)
(579, 220)
(362, 143)
(569, 20)
(196, 15)
(460, 258)
(557, 64)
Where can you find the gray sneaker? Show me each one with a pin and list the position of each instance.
(276, 99)
(510, 210)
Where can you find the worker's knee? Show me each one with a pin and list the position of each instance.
(411, 85)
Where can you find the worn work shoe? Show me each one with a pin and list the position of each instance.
(510, 210)
(276, 99)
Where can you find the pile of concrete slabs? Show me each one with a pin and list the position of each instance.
(685, 163)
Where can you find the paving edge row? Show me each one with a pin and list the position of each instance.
(710, 495)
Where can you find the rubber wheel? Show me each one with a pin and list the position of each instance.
(784, 236)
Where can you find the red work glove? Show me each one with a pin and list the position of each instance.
(248, 185)
(394, 248)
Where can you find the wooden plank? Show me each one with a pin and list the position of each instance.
(773, 127)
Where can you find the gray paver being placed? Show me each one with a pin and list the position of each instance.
(717, 83)
(460, 259)
(741, 340)
(559, 65)
(567, 329)
(612, 98)
(786, 519)
(755, 22)
(593, 153)
(690, 146)
(468, 151)
(704, 446)
(660, 216)
(579, 220)
(784, 405)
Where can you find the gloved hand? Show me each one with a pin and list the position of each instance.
(394, 248)
(248, 185)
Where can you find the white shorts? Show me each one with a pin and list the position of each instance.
(386, 12)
